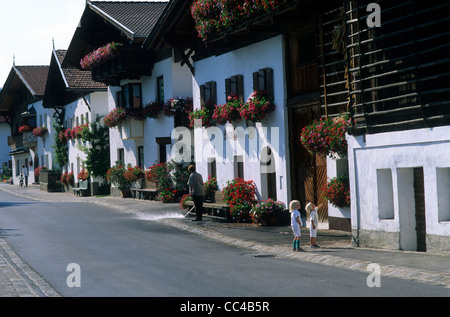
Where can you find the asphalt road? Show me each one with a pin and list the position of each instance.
(119, 254)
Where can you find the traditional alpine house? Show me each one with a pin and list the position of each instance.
(30, 124)
(286, 51)
(77, 102)
(147, 91)
(399, 157)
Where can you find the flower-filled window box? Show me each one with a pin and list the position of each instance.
(257, 107)
(228, 112)
(326, 136)
(25, 128)
(216, 16)
(337, 191)
(100, 55)
(180, 109)
(115, 117)
(40, 131)
(153, 109)
(205, 113)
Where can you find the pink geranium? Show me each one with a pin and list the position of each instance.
(100, 55)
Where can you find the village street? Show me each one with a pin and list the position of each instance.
(80, 248)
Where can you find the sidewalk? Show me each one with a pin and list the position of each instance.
(260, 241)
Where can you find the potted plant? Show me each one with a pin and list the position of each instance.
(240, 196)
(337, 191)
(326, 136)
(160, 175)
(175, 106)
(267, 212)
(210, 187)
(116, 175)
(83, 175)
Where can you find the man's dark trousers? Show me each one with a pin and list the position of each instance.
(198, 203)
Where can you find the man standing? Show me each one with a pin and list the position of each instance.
(25, 174)
(196, 191)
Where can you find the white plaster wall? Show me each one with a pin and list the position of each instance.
(98, 103)
(399, 152)
(246, 61)
(177, 83)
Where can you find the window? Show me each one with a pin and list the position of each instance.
(121, 156)
(443, 185)
(208, 93)
(160, 89)
(140, 157)
(385, 194)
(212, 167)
(263, 80)
(235, 85)
(238, 166)
(130, 96)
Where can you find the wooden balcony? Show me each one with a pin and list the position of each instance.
(130, 63)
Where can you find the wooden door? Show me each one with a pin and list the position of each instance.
(308, 172)
(419, 197)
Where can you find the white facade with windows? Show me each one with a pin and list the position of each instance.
(387, 189)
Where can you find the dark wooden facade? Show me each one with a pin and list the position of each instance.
(400, 71)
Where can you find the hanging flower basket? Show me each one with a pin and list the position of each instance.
(100, 55)
(40, 132)
(337, 191)
(326, 136)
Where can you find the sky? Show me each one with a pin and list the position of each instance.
(27, 28)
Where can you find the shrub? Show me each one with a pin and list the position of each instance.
(167, 195)
(184, 199)
(337, 191)
(116, 175)
(132, 174)
(67, 178)
(160, 175)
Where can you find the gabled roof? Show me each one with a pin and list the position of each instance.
(112, 21)
(66, 84)
(34, 78)
(135, 19)
(31, 78)
(75, 78)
